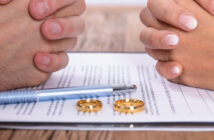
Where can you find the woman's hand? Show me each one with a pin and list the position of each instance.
(183, 57)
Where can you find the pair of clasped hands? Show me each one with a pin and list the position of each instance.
(35, 35)
(34, 38)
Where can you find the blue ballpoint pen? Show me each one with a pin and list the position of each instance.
(16, 96)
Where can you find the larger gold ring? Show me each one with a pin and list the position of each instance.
(129, 106)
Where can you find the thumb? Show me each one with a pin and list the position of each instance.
(50, 62)
(169, 70)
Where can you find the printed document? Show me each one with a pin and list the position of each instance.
(165, 102)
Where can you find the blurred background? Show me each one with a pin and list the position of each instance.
(112, 26)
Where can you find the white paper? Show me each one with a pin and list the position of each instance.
(165, 102)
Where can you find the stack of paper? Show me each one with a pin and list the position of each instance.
(167, 104)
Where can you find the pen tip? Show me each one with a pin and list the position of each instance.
(130, 88)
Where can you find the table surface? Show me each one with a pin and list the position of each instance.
(108, 29)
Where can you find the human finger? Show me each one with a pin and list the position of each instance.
(63, 45)
(172, 13)
(169, 70)
(50, 62)
(207, 5)
(3, 2)
(149, 20)
(159, 39)
(76, 9)
(39, 9)
(160, 55)
(59, 28)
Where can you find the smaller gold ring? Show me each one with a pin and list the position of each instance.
(129, 106)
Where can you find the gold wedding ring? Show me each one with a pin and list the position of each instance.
(89, 105)
(129, 106)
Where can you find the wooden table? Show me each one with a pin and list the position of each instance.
(108, 29)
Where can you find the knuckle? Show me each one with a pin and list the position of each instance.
(150, 53)
(150, 4)
(187, 79)
(142, 14)
(165, 15)
(75, 40)
(81, 24)
(142, 37)
(147, 38)
(83, 7)
(59, 65)
(81, 4)
(63, 61)
(151, 40)
(69, 45)
(39, 79)
(73, 43)
(43, 78)
(78, 26)
(161, 69)
(182, 79)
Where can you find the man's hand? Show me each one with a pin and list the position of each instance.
(62, 23)
(64, 26)
(26, 41)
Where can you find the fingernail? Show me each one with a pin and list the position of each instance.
(188, 21)
(55, 28)
(171, 40)
(45, 60)
(176, 70)
(42, 7)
